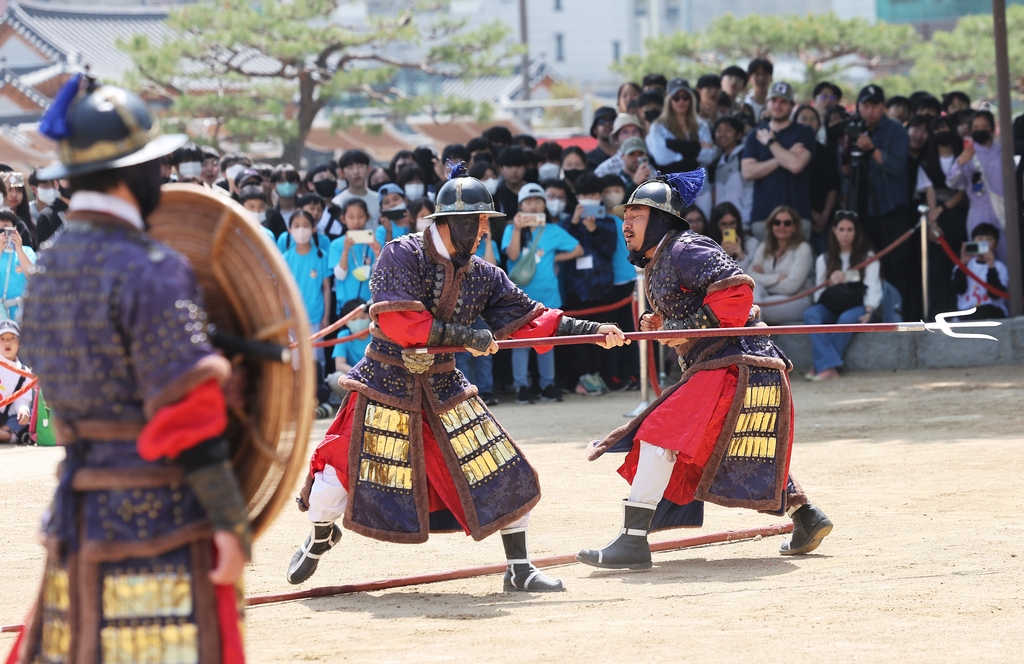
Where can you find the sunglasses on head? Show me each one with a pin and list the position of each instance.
(847, 213)
(782, 222)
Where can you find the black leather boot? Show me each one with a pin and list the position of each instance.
(630, 549)
(521, 575)
(323, 538)
(810, 526)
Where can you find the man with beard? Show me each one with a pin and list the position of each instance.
(723, 433)
(148, 531)
(414, 449)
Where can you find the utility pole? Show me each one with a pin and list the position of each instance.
(526, 50)
(1012, 230)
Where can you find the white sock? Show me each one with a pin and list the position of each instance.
(327, 498)
(653, 472)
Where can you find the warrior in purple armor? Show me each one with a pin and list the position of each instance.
(148, 531)
(414, 450)
(723, 434)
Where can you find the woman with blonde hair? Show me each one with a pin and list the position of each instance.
(781, 267)
(679, 140)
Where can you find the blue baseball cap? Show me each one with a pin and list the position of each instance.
(388, 188)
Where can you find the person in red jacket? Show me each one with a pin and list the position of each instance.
(414, 449)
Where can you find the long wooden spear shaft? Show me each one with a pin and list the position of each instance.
(941, 324)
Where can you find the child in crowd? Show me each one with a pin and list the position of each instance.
(545, 244)
(394, 214)
(312, 204)
(309, 266)
(984, 265)
(15, 261)
(419, 210)
(589, 281)
(351, 260)
(347, 354)
(15, 417)
(253, 199)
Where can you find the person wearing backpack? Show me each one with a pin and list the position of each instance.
(534, 244)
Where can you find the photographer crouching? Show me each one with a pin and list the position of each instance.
(878, 149)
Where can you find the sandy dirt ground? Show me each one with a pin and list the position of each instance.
(920, 471)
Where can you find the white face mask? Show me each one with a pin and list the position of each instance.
(555, 206)
(190, 169)
(491, 184)
(301, 235)
(611, 200)
(548, 171)
(422, 224)
(414, 190)
(46, 196)
(233, 172)
(261, 216)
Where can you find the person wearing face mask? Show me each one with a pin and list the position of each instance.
(16, 198)
(947, 210)
(622, 369)
(254, 200)
(978, 170)
(352, 262)
(320, 180)
(190, 162)
(347, 355)
(231, 165)
(420, 210)
(574, 164)
(487, 173)
(426, 404)
(394, 213)
(137, 388)
(52, 217)
(683, 449)
(649, 105)
(412, 181)
(286, 187)
(309, 265)
(549, 161)
(558, 198)
(601, 129)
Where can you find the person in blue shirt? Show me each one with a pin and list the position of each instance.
(351, 261)
(15, 259)
(394, 214)
(588, 281)
(347, 354)
(309, 266)
(547, 245)
(479, 370)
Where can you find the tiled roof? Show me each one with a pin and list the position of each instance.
(495, 89)
(459, 131)
(88, 34)
(11, 79)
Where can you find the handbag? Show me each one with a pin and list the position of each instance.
(524, 271)
(843, 297)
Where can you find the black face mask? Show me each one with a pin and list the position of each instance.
(835, 131)
(944, 138)
(572, 173)
(65, 192)
(463, 230)
(325, 188)
(659, 225)
(652, 114)
(144, 182)
(981, 136)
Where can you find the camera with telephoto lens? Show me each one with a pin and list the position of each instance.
(854, 127)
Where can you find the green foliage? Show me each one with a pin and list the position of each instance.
(964, 58)
(263, 69)
(826, 45)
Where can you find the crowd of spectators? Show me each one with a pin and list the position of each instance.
(800, 192)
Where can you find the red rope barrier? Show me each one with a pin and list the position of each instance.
(1003, 295)
(341, 340)
(27, 387)
(860, 266)
(604, 308)
(653, 370)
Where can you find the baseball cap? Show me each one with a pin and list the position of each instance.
(781, 89)
(8, 325)
(388, 188)
(625, 120)
(531, 190)
(603, 113)
(872, 93)
(675, 85)
(633, 144)
(247, 175)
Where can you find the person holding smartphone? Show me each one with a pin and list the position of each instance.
(980, 256)
(352, 255)
(589, 280)
(16, 262)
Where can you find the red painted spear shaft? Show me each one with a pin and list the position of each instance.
(484, 570)
(660, 335)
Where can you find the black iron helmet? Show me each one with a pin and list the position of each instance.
(464, 196)
(657, 194)
(101, 127)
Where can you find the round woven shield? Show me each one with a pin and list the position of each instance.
(249, 293)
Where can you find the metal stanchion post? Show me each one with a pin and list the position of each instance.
(923, 210)
(641, 306)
